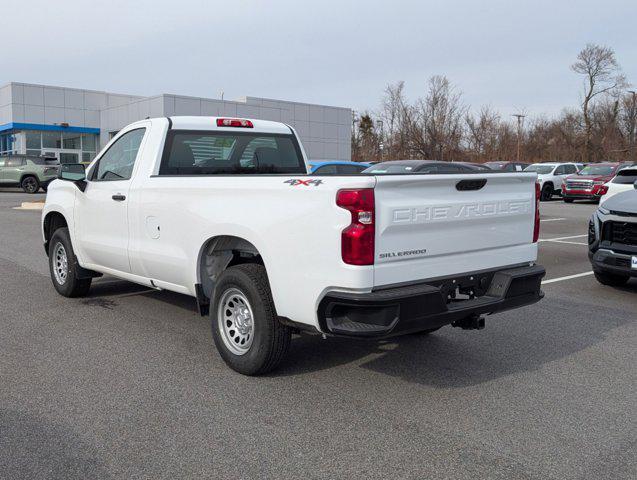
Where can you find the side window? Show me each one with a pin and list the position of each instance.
(431, 169)
(326, 170)
(349, 169)
(561, 170)
(118, 161)
(570, 169)
(15, 162)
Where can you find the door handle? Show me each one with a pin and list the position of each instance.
(119, 197)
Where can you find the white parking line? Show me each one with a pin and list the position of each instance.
(562, 238)
(568, 277)
(566, 241)
(551, 219)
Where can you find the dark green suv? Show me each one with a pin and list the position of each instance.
(29, 172)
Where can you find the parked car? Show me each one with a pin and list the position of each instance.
(589, 182)
(228, 214)
(336, 167)
(28, 172)
(481, 167)
(507, 166)
(612, 239)
(419, 166)
(551, 177)
(622, 182)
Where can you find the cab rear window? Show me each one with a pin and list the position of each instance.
(214, 153)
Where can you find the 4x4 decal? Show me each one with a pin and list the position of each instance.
(296, 181)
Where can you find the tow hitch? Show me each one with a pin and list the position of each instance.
(473, 322)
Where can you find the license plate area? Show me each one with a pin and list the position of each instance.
(459, 289)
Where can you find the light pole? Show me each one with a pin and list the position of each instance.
(633, 125)
(520, 119)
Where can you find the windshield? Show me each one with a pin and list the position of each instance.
(597, 170)
(540, 169)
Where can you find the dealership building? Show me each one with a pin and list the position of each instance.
(72, 124)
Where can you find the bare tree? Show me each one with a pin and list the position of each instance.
(602, 75)
(628, 123)
(482, 134)
(437, 129)
(396, 115)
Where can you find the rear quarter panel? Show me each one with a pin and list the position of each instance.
(296, 229)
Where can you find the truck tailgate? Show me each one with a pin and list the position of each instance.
(431, 226)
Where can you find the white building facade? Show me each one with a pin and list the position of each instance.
(72, 124)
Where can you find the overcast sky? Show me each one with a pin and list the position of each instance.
(509, 54)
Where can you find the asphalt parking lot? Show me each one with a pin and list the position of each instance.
(127, 384)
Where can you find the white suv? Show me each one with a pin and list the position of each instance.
(551, 176)
(625, 180)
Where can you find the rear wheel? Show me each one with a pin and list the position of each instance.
(611, 279)
(547, 192)
(63, 266)
(245, 328)
(30, 184)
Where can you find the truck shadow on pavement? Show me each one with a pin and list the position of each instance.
(513, 342)
(451, 358)
(34, 448)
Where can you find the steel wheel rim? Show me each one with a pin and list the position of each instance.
(29, 184)
(60, 264)
(236, 321)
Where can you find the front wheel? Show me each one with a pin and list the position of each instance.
(611, 279)
(30, 184)
(245, 328)
(63, 266)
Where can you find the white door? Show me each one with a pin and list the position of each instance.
(102, 209)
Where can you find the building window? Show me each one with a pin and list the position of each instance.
(34, 140)
(89, 142)
(67, 147)
(71, 141)
(51, 140)
(7, 143)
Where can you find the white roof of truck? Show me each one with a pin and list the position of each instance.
(210, 123)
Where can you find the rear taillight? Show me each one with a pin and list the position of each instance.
(603, 190)
(536, 227)
(234, 122)
(357, 240)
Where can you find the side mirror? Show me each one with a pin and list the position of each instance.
(73, 172)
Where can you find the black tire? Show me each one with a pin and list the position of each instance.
(568, 200)
(427, 332)
(611, 279)
(70, 285)
(30, 184)
(270, 338)
(547, 193)
(44, 187)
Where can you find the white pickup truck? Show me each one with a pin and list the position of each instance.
(224, 210)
